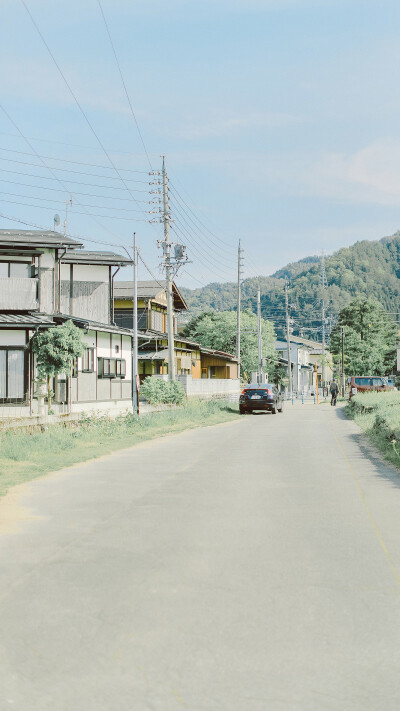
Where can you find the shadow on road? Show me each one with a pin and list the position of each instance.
(383, 468)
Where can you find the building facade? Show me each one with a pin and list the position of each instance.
(47, 279)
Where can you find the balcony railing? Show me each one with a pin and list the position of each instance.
(18, 294)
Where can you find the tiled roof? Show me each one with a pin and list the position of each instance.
(82, 256)
(36, 238)
(26, 319)
(92, 325)
(148, 290)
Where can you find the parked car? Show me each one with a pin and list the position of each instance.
(367, 383)
(260, 397)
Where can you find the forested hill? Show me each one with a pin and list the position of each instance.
(369, 268)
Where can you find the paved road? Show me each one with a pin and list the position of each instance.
(252, 566)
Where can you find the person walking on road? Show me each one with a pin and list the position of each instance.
(334, 389)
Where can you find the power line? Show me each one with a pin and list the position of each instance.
(77, 212)
(70, 182)
(198, 219)
(195, 227)
(124, 85)
(76, 100)
(33, 197)
(68, 234)
(74, 162)
(76, 172)
(58, 190)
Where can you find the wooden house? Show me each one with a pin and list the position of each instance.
(193, 363)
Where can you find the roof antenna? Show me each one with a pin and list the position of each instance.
(68, 202)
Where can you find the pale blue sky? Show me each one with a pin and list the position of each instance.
(279, 120)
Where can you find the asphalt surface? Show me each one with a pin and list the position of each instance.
(251, 566)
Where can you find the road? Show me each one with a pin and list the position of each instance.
(250, 566)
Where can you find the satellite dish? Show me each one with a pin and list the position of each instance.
(56, 221)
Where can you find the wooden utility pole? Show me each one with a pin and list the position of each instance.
(168, 276)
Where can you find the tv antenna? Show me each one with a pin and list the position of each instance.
(67, 204)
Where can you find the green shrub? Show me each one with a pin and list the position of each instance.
(156, 391)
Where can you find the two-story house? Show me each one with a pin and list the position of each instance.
(193, 363)
(302, 370)
(45, 280)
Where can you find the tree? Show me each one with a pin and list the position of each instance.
(370, 338)
(55, 350)
(217, 330)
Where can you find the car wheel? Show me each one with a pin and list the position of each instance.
(242, 410)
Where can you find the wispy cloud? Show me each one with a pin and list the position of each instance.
(217, 123)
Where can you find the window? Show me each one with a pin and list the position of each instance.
(111, 368)
(124, 318)
(88, 360)
(156, 321)
(15, 269)
(12, 374)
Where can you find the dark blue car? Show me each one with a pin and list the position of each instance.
(260, 397)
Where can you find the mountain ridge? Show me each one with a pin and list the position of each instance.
(368, 267)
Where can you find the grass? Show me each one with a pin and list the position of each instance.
(26, 456)
(378, 415)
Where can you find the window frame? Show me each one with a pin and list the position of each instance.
(19, 400)
(9, 262)
(90, 369)
(110, 371)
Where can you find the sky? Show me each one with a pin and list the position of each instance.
(279, 121)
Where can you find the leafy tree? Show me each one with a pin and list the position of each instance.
(55, 350)
(370, 338)
(365, 268)
(218, 330)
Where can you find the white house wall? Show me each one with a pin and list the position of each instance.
(12, 338)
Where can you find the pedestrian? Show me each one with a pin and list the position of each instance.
(334, 389)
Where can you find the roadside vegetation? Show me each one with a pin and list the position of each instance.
(25, 456)
(378, 415)
(157, 391)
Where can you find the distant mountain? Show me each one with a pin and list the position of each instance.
(371, 268)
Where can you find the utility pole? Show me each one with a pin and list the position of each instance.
(342, 373)
(288, 339)
(239, 281)
(168, 276)
(259, 378)
(135, 374)
(323, 287)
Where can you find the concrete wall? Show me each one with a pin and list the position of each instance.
(205, 387)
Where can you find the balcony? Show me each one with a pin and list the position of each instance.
(18, 294)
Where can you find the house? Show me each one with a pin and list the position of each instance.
(46, 279)
(193, 363)
(151, 305)
(307, 358)
(302, 370)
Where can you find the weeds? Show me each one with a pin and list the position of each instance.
(378, 415)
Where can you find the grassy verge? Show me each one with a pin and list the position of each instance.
(378, 415)
(25, 456)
